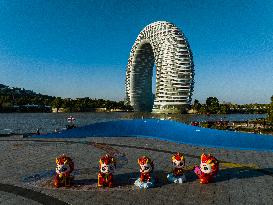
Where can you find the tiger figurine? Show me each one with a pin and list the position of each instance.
(65, 167)
(146, 179)
(178, 173)
(107, 167)
(208, 168)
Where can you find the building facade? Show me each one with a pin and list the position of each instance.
(161, 44)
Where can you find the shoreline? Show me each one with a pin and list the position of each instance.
(20, 123)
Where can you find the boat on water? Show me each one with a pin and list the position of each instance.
(71, 123)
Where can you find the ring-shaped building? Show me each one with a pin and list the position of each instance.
(161, 44)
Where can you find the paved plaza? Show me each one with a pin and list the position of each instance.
(27, 167)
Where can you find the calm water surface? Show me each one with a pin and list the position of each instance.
(48, 122)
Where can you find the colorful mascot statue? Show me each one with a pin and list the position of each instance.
(107, 168)
(177, 176)
(64, 168)
(208, 168)
(146, 179)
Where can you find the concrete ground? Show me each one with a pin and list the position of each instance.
(27, 165)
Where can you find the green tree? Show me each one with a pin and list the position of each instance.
(212, 104)
(203, 109)
(225, 108)
(57, 103)
(196, 105)
(69, 104)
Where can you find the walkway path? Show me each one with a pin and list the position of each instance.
(246, 177)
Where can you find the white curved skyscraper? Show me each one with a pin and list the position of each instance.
(163, 44)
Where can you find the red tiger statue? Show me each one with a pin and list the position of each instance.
(178, 172)
(178, 162)
(146, 180)
(107, 167)
(65, 167)
(146, 168)
(209, 167)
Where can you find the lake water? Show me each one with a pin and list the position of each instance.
(48, 122)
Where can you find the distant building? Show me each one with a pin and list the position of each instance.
(161, 44)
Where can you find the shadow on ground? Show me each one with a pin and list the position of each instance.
(84, 182)
(242, 173)
(126, 180)
(223, 175)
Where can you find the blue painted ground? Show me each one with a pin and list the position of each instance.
(171, 131)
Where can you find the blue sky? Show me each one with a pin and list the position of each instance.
(80, 48)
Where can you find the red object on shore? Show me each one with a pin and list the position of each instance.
(146, 168)
(105, 175)
(208, 168)
(178, 160)
(65, 167)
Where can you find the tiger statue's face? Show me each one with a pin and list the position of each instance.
(146, 164)
(107, 164)
(64, 165)
(178, 163)
(107, 168)
(209, 164)
(178, 160)
(145, 168)
(62, 169)
(206, 168)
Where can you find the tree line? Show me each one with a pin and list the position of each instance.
(17, 99)
(212, 106)
(87, 104)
